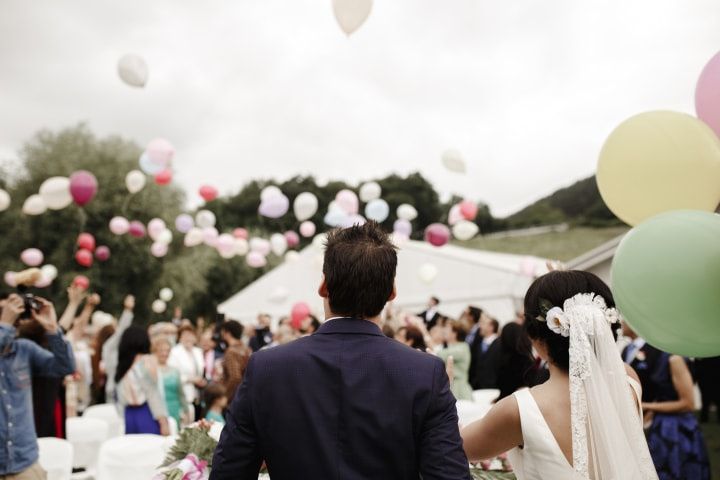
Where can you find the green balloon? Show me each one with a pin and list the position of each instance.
(666, 282)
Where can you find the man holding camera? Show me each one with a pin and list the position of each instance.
(19, 360)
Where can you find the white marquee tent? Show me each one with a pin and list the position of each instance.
(495, 282)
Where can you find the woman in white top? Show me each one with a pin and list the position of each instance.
(188, 359)
(584, 422)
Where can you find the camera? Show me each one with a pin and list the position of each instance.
(31, 304)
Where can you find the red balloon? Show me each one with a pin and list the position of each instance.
(208, 193)
(81, 281)
(84, 258)
(300, 311)
(86, 241)
(137, 229)
(164, 177)
(292, 239)
(468, 210)
(240, 233)
(437, 234)
(102, 253)
(83, 187)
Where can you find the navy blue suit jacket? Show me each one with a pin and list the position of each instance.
(344, 403)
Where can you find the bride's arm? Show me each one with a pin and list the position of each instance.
(683, 383)
(496, 433)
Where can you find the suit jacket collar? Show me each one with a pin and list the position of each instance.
(349, 325)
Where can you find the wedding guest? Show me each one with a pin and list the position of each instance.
(436, 336)
(643, 358)
(285, 334)
(231, 332)
(110, 347)
(216, 401)
(486, 365)
(234, 363)
(208, 345)
(309, 325)
(431, 315)
(388, 330)
(262, 336)
(472, 316)
(706, 371)
(516, 365)
(460, 352)
(412, 337)
(137, 385)
(188, 359)
(99, 374)
(170, 384)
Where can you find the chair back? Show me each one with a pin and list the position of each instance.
(56, 457)
(130, 457)
(86, 436)
(107, 412)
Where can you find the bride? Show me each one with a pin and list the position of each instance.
(585, 421)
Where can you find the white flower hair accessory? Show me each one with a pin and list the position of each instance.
(559, 319)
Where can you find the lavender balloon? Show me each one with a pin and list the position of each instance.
(184, 222)
(402, 227)
(274, 207)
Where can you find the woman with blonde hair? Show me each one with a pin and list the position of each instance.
(169, 383)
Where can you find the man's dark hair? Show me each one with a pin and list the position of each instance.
(495, 325)
(233, 328)
(359, 269)
(475, 313)
(435, 300)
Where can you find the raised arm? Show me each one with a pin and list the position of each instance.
(83, 319)
(76, 295)
(58, 360)
(110, 348)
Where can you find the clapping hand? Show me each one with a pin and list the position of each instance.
(46, 315)
(14, 306)
(129, 303)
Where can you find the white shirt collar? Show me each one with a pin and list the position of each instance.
(490, 338)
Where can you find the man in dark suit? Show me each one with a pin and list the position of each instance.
(346, 402)
(487, 355)
(431, 315)
(642, 357)
(472, 316)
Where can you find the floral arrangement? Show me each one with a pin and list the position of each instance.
(497, 469)
(190, 458)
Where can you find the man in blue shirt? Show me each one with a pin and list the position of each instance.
(19, 360)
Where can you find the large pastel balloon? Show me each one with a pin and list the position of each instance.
(707, 94)
(437, 234)
(274, 207)
(407, 212)
(158, 306)
(87, 241)
(32, 257)
(164, 177)
(150, 166)
(9, 278)
(465, 230)
(665, 276)
(135, 181)
(454, 215)
(49, 271)
(377, 210)
(307, 229)
(55, 192)
(4, 200)
(278, 243)
(269, 192)
(370, 191)
(119, 225)
(453, 160)
(34, 205)
(305, 206)
(225, 245)
(83, 187)
(351, 14)
(208, 193)
(165, 237)
(166, 294)
(240, 233)
(102, 253)
(84, 258)
(255, 260)
(299, 312)
(155, 227)
(193, 237)
(184, 222)
(158, 249)
(292, 239)
(260, 245)
(335, 216)
(427, 272)
(42, 282)
(205, 219)
(210, 236)
(161, 152)
(133, 70)
(402, 227)
(348, 201)
(136, 229)
(659, 161)
(468, 210)
(242, 247)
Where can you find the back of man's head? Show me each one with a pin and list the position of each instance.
(359, 268)
(232, 328)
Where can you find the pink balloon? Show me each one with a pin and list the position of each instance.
(437, 234)
(210, 236)
(119, 225)
(292, 239)
(468, 210)
(160, 151)
(136, 229)
(402, 227)
(32, 257)
(9, 278)
(300, 311)
(707, 94)
(84, 258)
(208, 193)
(81, 281)
(240, 233)
(225, 242)
(158, 249)
(102, 253)
(83, 187)
(86, 241)
(255, 260)
(274, 207)
(454, 216)
(155, 227)
(43, 282)
(348, 201)
(307, 229)
(164, 177)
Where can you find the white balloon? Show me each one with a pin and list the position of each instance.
(370, 191)
(101, 319)
(166, 294)
(133, 70)
(260, 245)
(278, 243)
(427, 272)
(165, 237)
(407, 212)
(210, 236)
(55, 192)
(158, 306)
(205, 219)
(351, 14)
(193, 237)
(269, 192)
(453, 161)
(34, 205)
(49, 271)
(135, 181)
(465, 230)
(4, 200)
(242, 247)
(279, 295)
(305, 206)
(454, 215)
(377, 210)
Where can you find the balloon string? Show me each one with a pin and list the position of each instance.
(125, 204)
(83, 219)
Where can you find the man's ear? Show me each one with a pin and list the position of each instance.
(393, 294)
(322, 289)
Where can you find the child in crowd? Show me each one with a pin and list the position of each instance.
(216, 401)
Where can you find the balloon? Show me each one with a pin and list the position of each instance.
(707, 94)
(659, 161)
(278, 243)
(210, 236)
(370, 191)
(160, 151)
(150, 166)
(205, 219)
(84, 258)
(256, 260)
(292, 239)
(300, 311)
(34, 205)
(166, 294)
(226, 245)
(269, 192)
(165, 237)
(4, 200)
(55, 192)
(665, 276)
(193, 237)
(155, 227)
(133, 70)
(158, 249)
(9, 278)
(135, 181)
(468, 210)
(453, 160)
(83, 187)
(158, 306)
(402, 227)
(377, 210)
(335, 216)
(81, 281)
(49, 271)
(465, 230)
(305, 206)
(427, 272)
(164, 177)
(208, 193)
(352, 220)
(136, 229)
(348, 201)
(274, 207)
(407, 212)
(184, 222)
(454, 216)
(102, 253)
(42, 282)
(86, 241)
(279, 295)
(307, 229)
(260, 245)
(437, 234)
(32, 257)
(240, 233)
(242, 247)
(351, 14)
(119, 225)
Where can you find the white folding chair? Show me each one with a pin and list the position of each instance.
(86, 435)
(130, 457)
(56, 457)
(173, 426)
(469, 411)
(485, 396)
(107, 412)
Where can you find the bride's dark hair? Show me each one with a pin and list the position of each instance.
(554, 288)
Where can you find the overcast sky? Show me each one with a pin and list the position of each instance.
(527, 90)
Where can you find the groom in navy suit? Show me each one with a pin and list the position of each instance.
(346, 402)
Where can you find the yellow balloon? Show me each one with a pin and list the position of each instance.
(659, 161)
